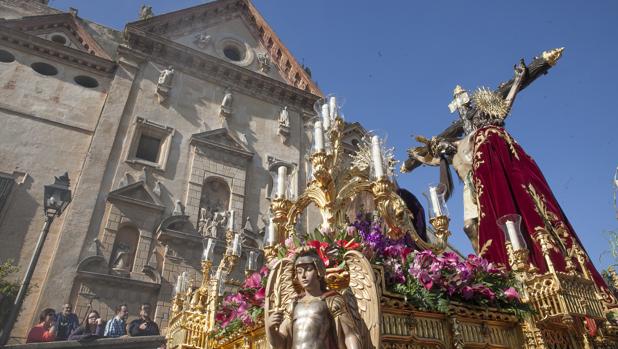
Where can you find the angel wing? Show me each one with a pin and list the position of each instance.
(362, 298)
(280, 290)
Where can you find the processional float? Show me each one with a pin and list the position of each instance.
(344, 286)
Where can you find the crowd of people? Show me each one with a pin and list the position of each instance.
(66, 325)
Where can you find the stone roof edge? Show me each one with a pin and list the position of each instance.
(63, 54)
(207, 67)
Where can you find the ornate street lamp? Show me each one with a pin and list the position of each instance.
(56, 198)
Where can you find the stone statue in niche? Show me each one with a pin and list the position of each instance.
(263, 62)
(145, 12)
(164, 84)
(202, 40)
(204, 222)
(121, 263)
(226, 104)
(284, 124)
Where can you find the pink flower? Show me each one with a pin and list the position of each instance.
(253, 281)
(351, 230)
(260, 294)
(511, 294)
(289, 243)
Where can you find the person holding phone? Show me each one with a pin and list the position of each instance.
(144, 326)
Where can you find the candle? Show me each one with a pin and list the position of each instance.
(183, 281)
(208, 251)
(435, 201)
(230, 223)
(325, 116)
(236, 245)
(332, 107)
(178, 285)
(376, 154)
(319, 136)
(251, 262)
(513, 236)
(282, 174)
(272, 233)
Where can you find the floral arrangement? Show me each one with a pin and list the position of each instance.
(244, 308)
(429, 282)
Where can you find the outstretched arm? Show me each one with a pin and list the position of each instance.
(520, 72)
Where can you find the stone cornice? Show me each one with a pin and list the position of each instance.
(50, 50)
(116, 280)
(210, 68)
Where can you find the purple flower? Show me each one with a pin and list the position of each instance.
(467, 293)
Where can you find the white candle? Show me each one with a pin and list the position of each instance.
(178, 285)
(325, 116)
(513, 236)
(282, 174)
(435, 201)
(208, 251)
(236, 245)
(332, 107)
(183, 282)
(272, 233)
(319, 136)
(230, 223)
(251, 262)
(376, 154)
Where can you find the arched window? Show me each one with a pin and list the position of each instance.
(123, 252)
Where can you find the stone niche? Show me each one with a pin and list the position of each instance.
(123, 265)
(218, 172)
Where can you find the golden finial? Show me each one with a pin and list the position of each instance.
(552, 56)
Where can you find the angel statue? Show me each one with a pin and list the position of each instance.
(319, 317)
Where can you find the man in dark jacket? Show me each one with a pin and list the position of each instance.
(66, 322)
(144, 326)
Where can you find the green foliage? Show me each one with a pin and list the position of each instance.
(8, 288)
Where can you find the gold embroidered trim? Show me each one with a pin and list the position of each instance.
(482, 136)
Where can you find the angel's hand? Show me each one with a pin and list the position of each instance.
(275, 319)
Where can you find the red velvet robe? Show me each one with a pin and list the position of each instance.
(503, 174)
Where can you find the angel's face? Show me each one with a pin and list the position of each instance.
(307, 275)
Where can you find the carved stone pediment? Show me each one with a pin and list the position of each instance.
(196, 28)
(221, 140)
(136, 194)
(62, 29)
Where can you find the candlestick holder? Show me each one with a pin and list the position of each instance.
(271, 252)
(440, 224)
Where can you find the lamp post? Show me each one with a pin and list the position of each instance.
(56, 198)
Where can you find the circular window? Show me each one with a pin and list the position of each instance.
(44, 68)
(59, 39)
(232, 53)
(6, 56)
(86, 81)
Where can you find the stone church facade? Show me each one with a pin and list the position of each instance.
(164, 130)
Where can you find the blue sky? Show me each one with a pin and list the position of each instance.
(397, 62)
